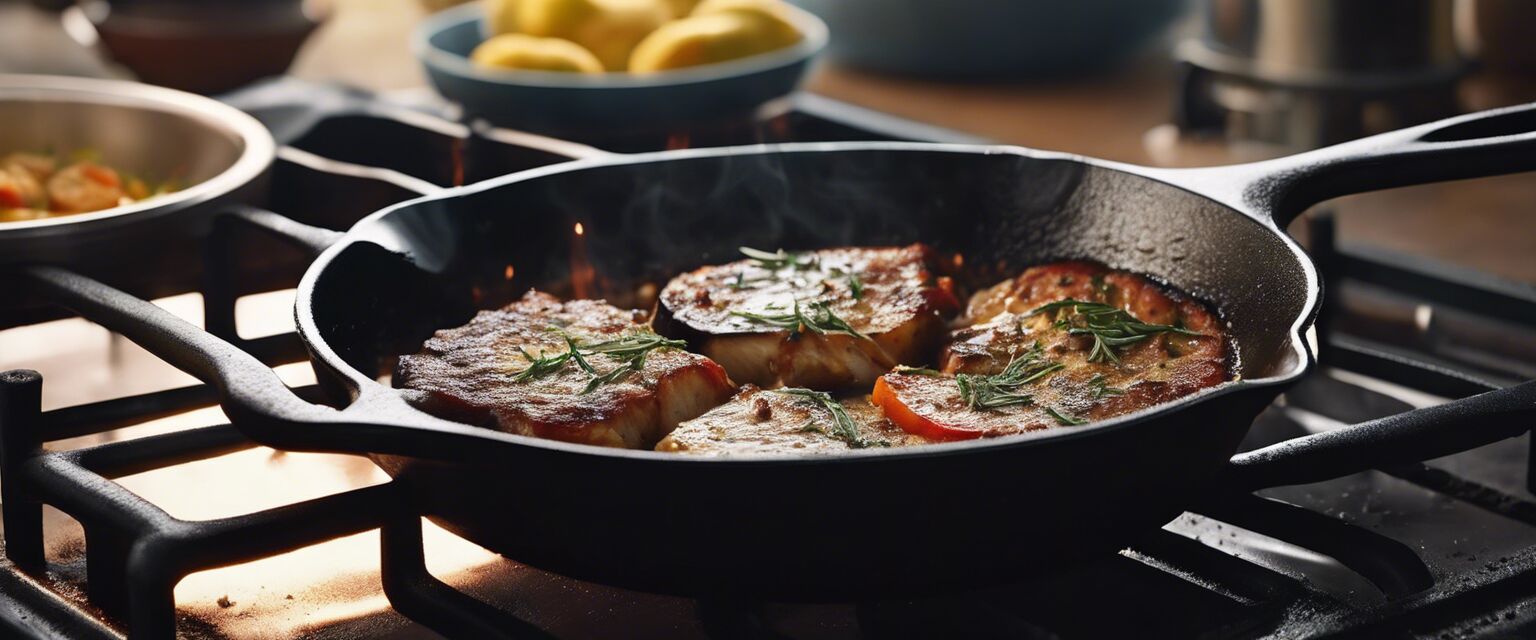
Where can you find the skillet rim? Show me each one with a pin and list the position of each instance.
(367, 387)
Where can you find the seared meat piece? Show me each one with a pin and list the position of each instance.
(1033, 361)
(511, 370)
(785, 421)
(828, 319)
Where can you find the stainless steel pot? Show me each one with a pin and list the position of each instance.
(219, 152)
(1321, 41)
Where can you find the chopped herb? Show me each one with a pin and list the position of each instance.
(1110, 326)
(1101, 287)
(843, 426)
(855, 286)
(1002, 389)
(816, 317)
(915, 371)
(617, 374)
(1100, 389)
(629, 350)
(541, 365)
(1065, 419)
(780, 259)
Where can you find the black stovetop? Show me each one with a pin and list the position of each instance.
(1446, 548)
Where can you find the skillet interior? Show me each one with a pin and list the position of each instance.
(646, 221)
(767, 529)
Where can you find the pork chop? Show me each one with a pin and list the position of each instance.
(579, 371)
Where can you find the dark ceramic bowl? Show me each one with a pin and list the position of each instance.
(992, 38)
(573, 103)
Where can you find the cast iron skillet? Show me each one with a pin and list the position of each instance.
(874, 522)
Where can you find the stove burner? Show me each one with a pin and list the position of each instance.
(1446, 546)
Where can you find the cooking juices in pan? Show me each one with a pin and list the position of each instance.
(836, 349)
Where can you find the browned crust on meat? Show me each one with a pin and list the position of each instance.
(467, 373)
(1162, 368)
(902, 311)
(758, 422)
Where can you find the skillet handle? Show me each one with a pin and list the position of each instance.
(1486, 143)
(1413, 436)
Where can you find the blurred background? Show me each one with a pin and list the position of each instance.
(1169, 82)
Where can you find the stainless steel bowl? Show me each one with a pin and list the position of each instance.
(217, 151)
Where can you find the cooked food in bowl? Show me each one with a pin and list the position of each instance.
(544, 75)
(636, 36)
(836, 350)
(42, 185)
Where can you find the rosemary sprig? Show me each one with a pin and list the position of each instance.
(540, 365)
(855, 286)
(815, 317)
(843, 426)
(1110, 326)
(630, 351)
(916, 371)
(1099, 385)
(780, 259)
(1063, 419)
(634, 346)
(982, 392)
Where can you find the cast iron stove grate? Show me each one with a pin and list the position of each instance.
(1446, 548)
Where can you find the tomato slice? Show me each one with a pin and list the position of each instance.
(100, 175)
(909, 421)
(10, 198)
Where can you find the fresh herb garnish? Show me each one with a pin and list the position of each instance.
(630, 351)
(816, 317)
(982, 392)
(780, 259)
(540, 365)
(1065, 420)
(855, 286)
(916, 371)
(1110, 326)
(843, 426)
(1099, 385)
(1101, 286)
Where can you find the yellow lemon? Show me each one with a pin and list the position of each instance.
(681, 8)
(710, 38)
(773, 17)
(520, 51)
(500, 16)
(608, 28)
